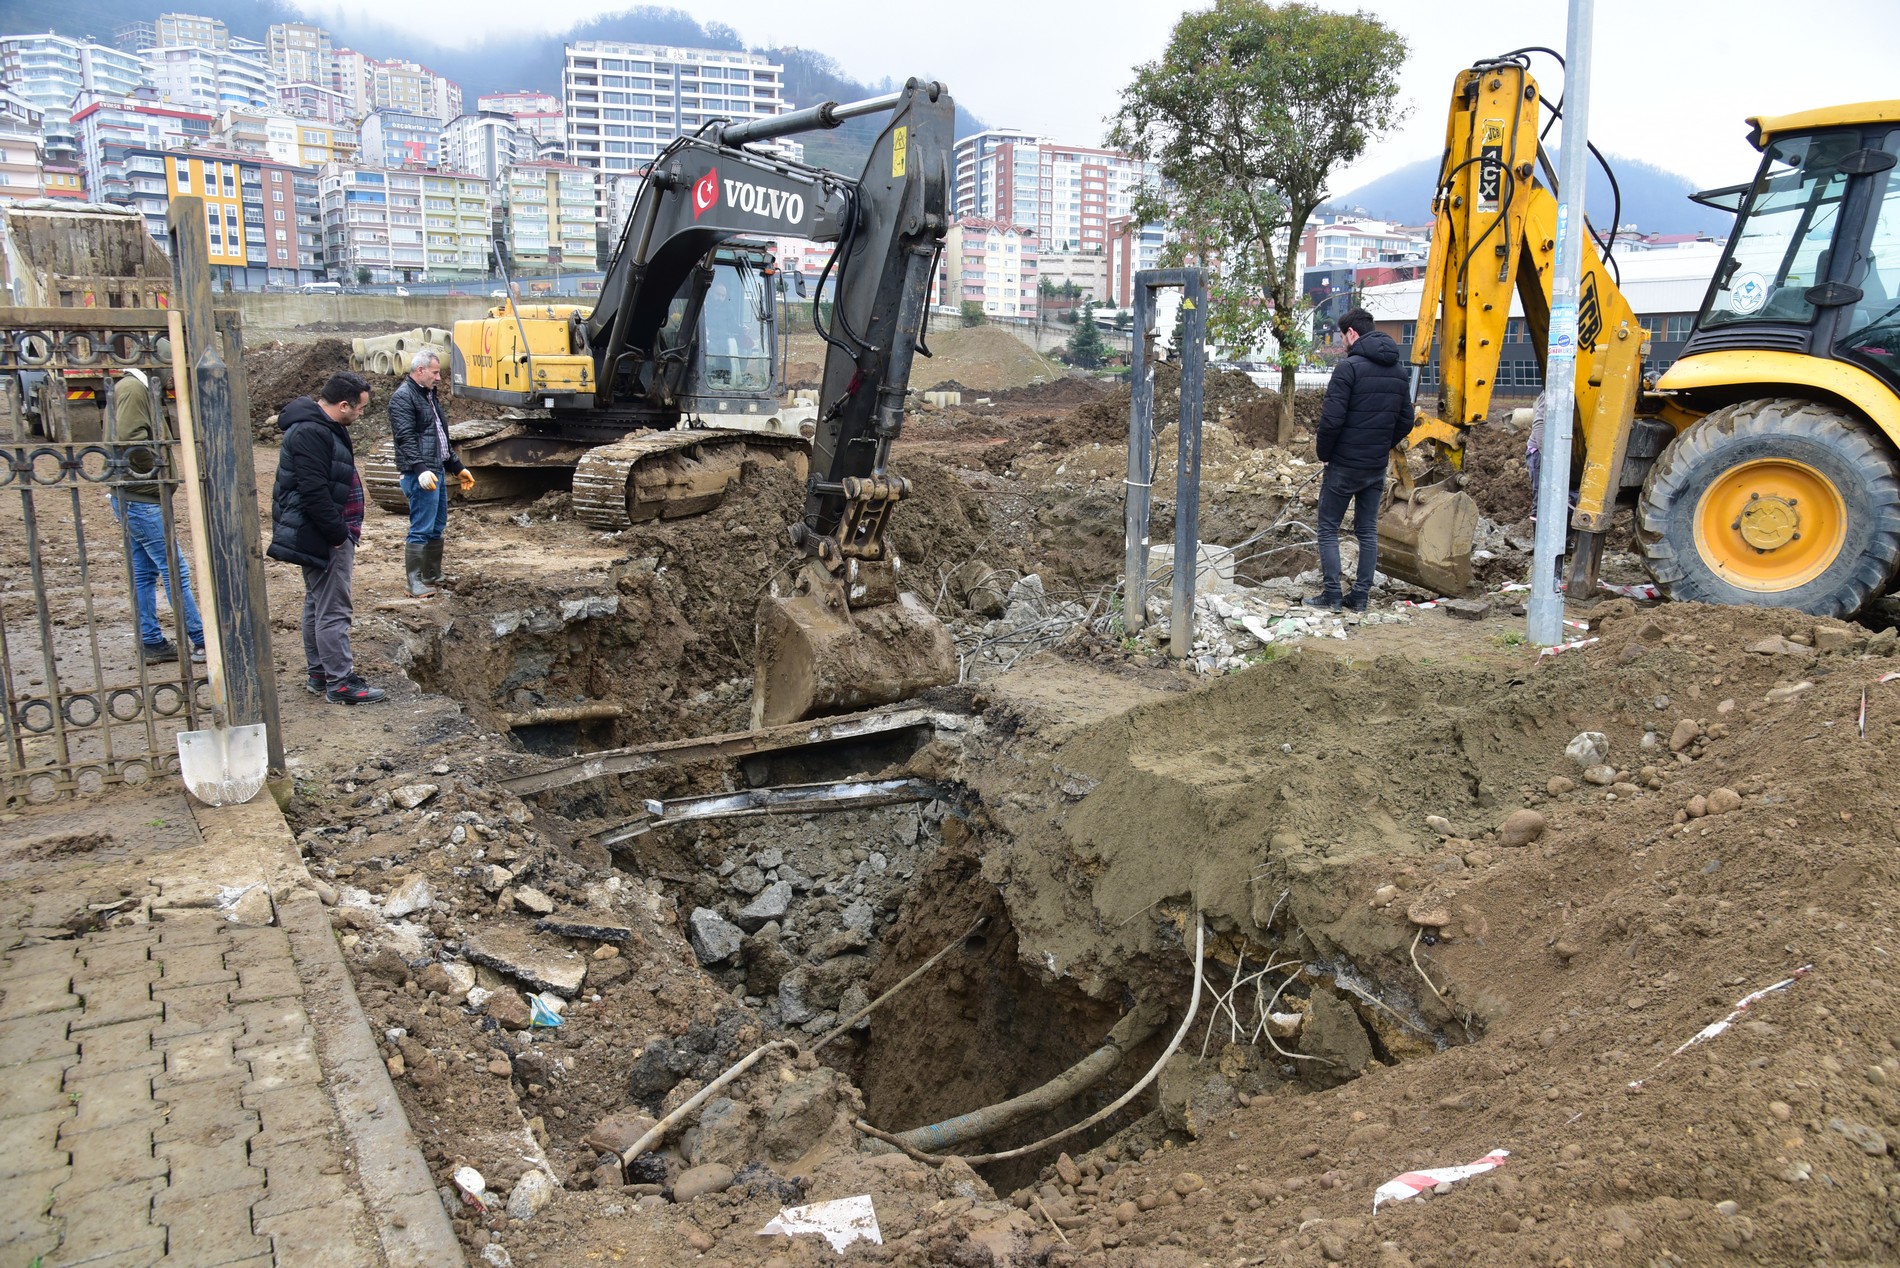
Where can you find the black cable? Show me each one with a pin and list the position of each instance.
(1606, 246)
(818, 295)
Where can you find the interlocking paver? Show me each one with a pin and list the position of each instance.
(289, 1114)
(122, 1099)
(23, 1217)
(109, 1159)
(261, 946)
(265, 982)
(41, 1037)
(194, 964)
(320, 1237)
(105, 958)
(108, 1222)
(30, 1143)
(111, 1000)
(209, 1232)
(270, 1021)
(185, 928)
(39, 993)
(286, 1063)
(46, 957)
(126, 1045)
(307, 1174)
(202, 1170)
(190, 1010)
(32, 1088)
(206, 1055)
(208, 1112)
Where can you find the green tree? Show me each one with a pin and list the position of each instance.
(1246, 114)
(362, 275)
(1086, 346)
(972, 312)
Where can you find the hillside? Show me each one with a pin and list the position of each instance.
(1654, 200)
(512, 60)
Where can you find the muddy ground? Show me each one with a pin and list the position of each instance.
(1428, 932)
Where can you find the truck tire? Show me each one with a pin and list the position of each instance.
(1774, 503)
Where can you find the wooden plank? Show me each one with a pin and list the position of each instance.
(627, 761)
(89, 318)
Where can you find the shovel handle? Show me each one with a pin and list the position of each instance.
(195, 508)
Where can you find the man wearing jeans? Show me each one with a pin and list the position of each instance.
(316, 518)
(131, 423)
(425, 459)
(1368, 410)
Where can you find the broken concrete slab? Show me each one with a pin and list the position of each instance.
(413, 895)
(409, 796)
(513, 951)
(715, 939)
(533, 901)
(579, 927)
(1466, 609)
(771, 904)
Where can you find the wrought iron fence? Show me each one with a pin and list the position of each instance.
(84, 708)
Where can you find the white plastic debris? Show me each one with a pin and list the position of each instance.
(1412, 1183)
(1567, 647)
(840, 1222)
(470, 1184)
(1742, 1005)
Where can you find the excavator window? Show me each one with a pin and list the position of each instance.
(735, 325)
(1872, 335)
(1780, 244)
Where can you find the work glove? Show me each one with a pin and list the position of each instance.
(466, 478)
(427, 480)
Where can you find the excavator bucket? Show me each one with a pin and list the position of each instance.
(817, 655)
(1425, 537)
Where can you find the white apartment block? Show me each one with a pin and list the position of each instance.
(974, 174)
(300, 53)
(625, 102)
(992, 263)
(522, 101)
(1348, 241)
(193, 77)
(315, 101)
(21, 174)
(403, 226)
(268, 134)
(189, 28)
(392, 84)
(548, 215)
(484, 144)
(1068, 192)
(48, 71)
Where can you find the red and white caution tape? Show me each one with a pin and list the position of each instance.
(1567, 647)
(1641, 590)
(1413, 1183)
(1715, 1028)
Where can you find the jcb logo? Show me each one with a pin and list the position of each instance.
(1589, 314)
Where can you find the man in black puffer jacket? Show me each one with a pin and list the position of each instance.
(1368, 410)
(316, 519)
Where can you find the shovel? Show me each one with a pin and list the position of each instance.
(225, 765)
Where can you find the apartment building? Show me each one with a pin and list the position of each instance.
(21, 158)
(392, 84)
(401, 138)
(107, 128)
(1069, 193)
(300, 53)
(975, 173)
(625, 102)
(1132, 248)
(48, 71)
(1347, 241)
(1086, 270)
(271, 135)
(63, 180)
(521, 101)
(403, 226)
(992, 263)
(135, 37)
(484, 144)
(252, 210)
(189, 28)
(547, 214)
(192, 77)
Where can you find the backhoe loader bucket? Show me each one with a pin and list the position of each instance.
(816, 655)
(1425, 537)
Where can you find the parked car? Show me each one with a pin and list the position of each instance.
(498, 293)
(402, 292)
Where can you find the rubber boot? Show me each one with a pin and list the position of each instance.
(413, 570)
(432, 563)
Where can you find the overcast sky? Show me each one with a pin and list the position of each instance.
(1672, 83)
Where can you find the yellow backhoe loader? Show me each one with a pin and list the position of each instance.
(1764, 464)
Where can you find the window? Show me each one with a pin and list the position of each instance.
(277, 195)
(182, 168)
(1677, 329)
(282, 236)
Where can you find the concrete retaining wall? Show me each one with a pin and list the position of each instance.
(282, 312)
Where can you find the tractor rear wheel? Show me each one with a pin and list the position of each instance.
(1774, 503)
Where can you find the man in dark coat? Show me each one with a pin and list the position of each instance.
(426, 459)
(316, 516)
(1368, 410)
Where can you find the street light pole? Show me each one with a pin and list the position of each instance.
(1545, 612)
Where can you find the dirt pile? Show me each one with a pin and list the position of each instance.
(281, 372)
(979, 359)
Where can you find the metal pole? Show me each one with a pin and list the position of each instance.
(1141, 419)
(1544, 622)
(1187, 475)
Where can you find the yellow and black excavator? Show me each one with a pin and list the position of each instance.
(1764, 464)
(657, 395)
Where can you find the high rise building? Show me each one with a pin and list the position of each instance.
(400, 138)
(254, 210)
(1068, 192)
(48, 71)
(539, 113)
(193, 77)
(403, 226)
(376, 84)
(190, 28)
(991, 263)
(22, 174)
(136, 37)
(974, 173)
(108, 128)
(300, 53)
(548, 215)
(484, 144)
(315, 101)
(625, 102)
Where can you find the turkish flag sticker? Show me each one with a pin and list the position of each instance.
(706, 193)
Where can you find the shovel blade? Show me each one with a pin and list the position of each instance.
(1427, 539)
(816, 658)
(224, 766)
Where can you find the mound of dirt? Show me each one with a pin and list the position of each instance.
(1074, 389)
(1257, 422)
(281, 372)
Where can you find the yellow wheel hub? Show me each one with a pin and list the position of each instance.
(1770, 525)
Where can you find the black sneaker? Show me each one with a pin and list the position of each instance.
(161, 653)
(353, 690)
(315, 683)
(1330, 602)
(1356, 602)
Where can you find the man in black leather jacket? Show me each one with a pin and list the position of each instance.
(1368, 410)
(425, 459)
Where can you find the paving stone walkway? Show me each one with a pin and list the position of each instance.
(185, 1087)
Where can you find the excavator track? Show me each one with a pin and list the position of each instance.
(669, 474)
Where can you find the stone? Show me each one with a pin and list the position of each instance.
(794, 1005)
(803, 1111)
(1863, 1137)
(509, 1009)
(1601, 775)
(747, 880)
(1067, 1171)
(1466, 609)
(413, 895)
(715, 939)
(1784, 692)
(533, 901)
(1521, 827)
(515, 952)
(575, 927)
(1779, 646)
(1438, 824)
(697, 1182)
(1687, 732)
(619, 1131)
(249, 906)
(1723, 800)
(409, 796)
(1588, 748)
(533, 1191)
(495, 878)
(1560, 785)
(495, 1255)
(1833, 638)
(773, 902)
(858, 917)
(436, 980)
(1697, 807)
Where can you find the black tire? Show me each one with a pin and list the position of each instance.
(1849, 453)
